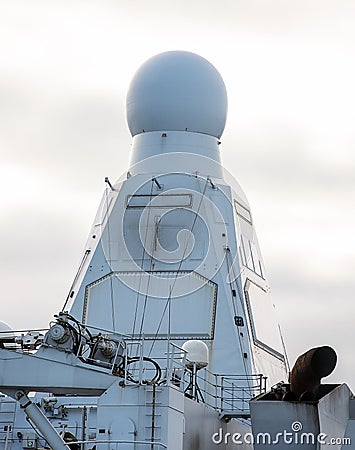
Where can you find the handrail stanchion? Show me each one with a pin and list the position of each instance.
(222, 392)
(216, 396)
(141, 359)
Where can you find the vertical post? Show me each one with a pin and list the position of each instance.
(194, 378)
(125, 353)
(83, 426)
(171, 357)
(183, 369)
(222, 393)
(8, 429)
(153, 416)
(233, 406)
(141, 360)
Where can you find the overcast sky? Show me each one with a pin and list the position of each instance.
(289, 68)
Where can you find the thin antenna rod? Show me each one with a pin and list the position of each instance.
(156, 182)
(109, 183)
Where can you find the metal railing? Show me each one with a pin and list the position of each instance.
(228, 394)
(237, 391)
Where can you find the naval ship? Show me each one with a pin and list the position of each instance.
(168, 338)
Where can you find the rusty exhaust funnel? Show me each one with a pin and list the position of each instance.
(309, 369)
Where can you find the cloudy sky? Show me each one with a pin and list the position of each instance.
(289, 68)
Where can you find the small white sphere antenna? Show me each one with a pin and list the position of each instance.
(196, 354)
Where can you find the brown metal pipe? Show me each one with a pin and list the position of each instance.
(309, 369)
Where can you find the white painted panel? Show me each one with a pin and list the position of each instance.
(114, 302)
(263, 317)
(159, 201)
(242, 211)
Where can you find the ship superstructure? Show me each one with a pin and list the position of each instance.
(169, 328)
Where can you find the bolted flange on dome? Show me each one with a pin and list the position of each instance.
(177, 91)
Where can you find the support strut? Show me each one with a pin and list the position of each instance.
(41, 422)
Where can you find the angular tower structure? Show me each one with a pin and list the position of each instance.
(169, 328)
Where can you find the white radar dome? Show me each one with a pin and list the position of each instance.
(196, 354)
(177, 91)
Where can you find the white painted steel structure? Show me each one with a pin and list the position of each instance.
(172, 256)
